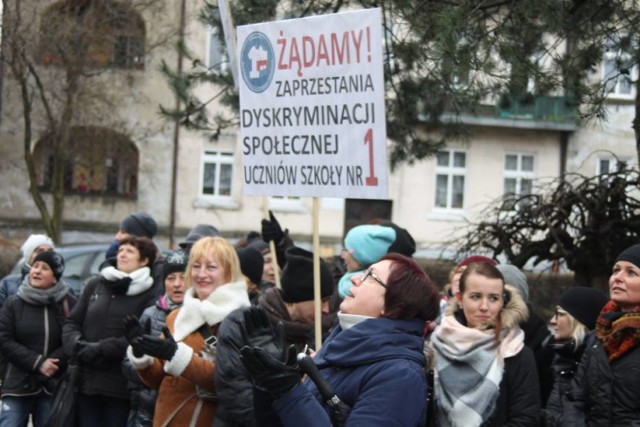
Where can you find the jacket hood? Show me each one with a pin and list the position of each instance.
(512, 315)
(374, 340)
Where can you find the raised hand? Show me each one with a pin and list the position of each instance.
(132, 330)
(271, 229)
(158, 347)
(270, 373)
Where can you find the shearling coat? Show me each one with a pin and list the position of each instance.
(186, 383)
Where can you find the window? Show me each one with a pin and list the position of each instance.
(97, 161)
(110, 34)
(612, 164)
(217, 173)
(217, 60)
(450, 179)
(618, 69)
(518, 178)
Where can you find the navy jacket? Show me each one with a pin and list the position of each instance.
(376, 367)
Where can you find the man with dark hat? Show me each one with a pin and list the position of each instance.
(294, 307)
(197, 233)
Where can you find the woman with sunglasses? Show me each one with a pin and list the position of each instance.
(373, 360)
(484, 375)
(575, 316)
(606, 388)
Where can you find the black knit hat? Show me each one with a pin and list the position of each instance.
(176, 261)
(631, 254)
(251, 263)
(404, 243)
(584, 304)
(197, 233)
(297, 276)
(140, 224)
(54, 260)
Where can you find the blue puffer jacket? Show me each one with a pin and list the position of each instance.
(376, 367)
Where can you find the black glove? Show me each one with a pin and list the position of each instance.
(132, 330)
(160, 348)
(271, 229)
(89, 353)
(265, 355)
(273, 375)
(257, 332)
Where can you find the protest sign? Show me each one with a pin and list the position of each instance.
(312, 107)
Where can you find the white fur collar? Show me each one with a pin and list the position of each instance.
(141, 279)
(195, 312)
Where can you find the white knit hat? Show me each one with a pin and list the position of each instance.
(32, 243)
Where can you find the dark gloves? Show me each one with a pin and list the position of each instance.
(160, 348)
(89, 353)
(271, 229)
(132, 330)
(268, 362)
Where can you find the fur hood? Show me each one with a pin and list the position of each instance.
(512, 315)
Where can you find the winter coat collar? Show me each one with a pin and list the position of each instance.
(141, 279)
(373, 340)
(195, 312)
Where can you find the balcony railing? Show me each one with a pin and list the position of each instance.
(541, 108)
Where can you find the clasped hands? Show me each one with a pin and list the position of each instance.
(142, 342)
(266, 358)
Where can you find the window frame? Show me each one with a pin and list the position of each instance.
(618, 56)
(217, 157)
(518, 174)
(450, 171)
(222, 66)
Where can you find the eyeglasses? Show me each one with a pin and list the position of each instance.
(370, 273)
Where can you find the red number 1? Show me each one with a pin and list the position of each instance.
(372, 179)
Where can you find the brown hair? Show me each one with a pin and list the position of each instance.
(410, 292)
(490, 271)
(148, 250)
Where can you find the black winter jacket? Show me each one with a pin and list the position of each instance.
(143, 399)
(29, 334)
(519, 393)
(565, 365)
(98, 317)
(603, 393)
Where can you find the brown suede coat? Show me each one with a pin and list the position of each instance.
(177, 400)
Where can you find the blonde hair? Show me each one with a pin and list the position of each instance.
(578, 330)
(224, 253)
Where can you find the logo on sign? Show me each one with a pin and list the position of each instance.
(257, 62)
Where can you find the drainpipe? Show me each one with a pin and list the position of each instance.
(564, 143)
(176, 132)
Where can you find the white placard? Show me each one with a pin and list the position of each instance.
(312, 107)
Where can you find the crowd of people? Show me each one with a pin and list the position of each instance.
(221, 335)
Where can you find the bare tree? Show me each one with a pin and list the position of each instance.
(582, 221)
(58, 59)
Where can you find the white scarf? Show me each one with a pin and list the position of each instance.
(196, 312)
(349, 320)
(141, 279)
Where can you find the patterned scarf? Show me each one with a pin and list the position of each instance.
(468, 372)
(618, 330)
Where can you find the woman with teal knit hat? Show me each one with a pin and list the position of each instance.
(364, 245)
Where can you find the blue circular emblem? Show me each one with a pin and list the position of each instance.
(257, 62)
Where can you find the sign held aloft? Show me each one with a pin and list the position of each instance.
(312, 107)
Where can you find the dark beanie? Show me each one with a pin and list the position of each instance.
(631, 254)
(251, 263)
(584, 304)
(404, 243)
(176, 261)
(260, 245)
(197, 233)
(297, 276)
(140, 224)
(54, 260)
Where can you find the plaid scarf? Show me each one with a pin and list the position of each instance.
(618, 330)
(468, 371)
